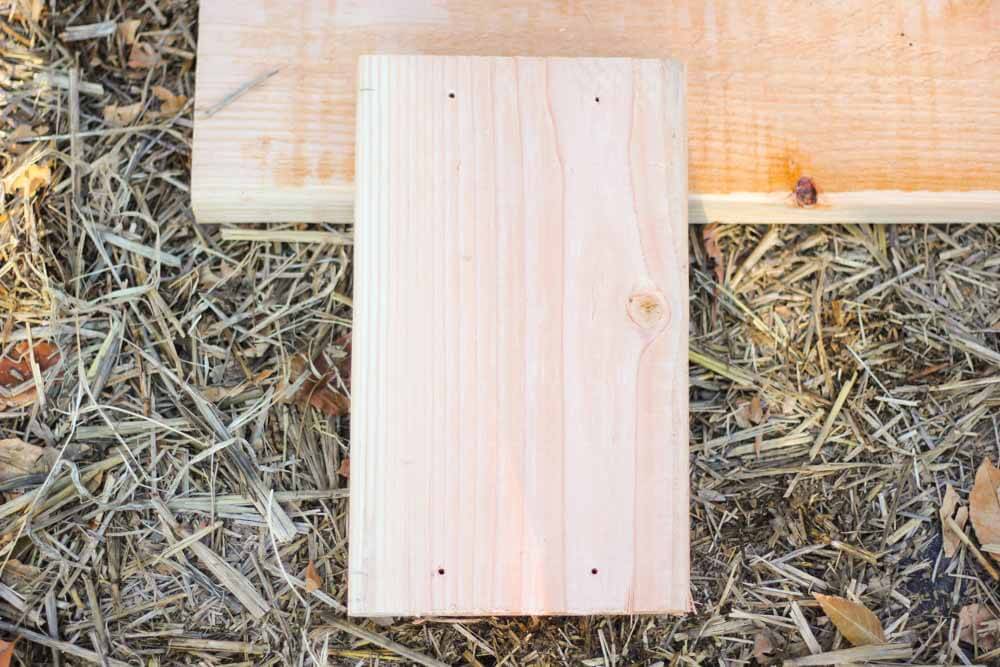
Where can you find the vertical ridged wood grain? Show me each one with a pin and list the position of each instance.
(519, 427)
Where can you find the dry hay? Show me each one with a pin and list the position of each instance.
(174, 469)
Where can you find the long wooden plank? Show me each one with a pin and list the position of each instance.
(519, 424)
(889, 107)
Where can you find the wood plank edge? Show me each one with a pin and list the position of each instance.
(870, 206)
(478, 613)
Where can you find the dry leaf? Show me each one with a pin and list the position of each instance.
(318, 392)
(751, 413)
(143, 56)
(837, 308)
(119, 116)
(314, 582)
(764, 648)
(858, 625)
(784, 312)
(128, 30)
(6, 652)
(15, 371)
(951, 508)
(209, 279)
(345, 468)
(978, 620)
(984, 505)
(170, 104)
(961, 518)
(17, 457)
(742, 415)
(710, 236)
(19, 132)
(29, 179)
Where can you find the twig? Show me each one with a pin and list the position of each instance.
(239, 92)
(65, 647)
(379, 640)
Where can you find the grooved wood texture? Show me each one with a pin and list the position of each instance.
(519, 424)
(890, 106)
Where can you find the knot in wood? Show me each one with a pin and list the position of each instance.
(647, 309)
(805, 192)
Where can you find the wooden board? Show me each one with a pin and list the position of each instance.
(519, 402)
(875, 100)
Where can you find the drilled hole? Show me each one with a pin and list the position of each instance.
(597, 99)
(451, 95)
(593, 570)
(440, 570)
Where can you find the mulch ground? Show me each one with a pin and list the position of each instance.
(174, 420)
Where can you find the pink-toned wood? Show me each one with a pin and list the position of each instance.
(889, 105)
(519, 424)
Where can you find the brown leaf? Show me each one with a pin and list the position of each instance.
(170, 104)
(345, 468)
(19, 132)
(128, 30)
(143, 56)
(29, 179)
(837, 310)
(742, 415)
(984, 505)
(6, 652)
(17, 457)
(858, 625)
(318, 392)
(753, 412)
(764, 648)
(120, 116)
(314, 582)
(15, 371)
(961, 518)
(710, 236)
(977, 622)
(951, 508)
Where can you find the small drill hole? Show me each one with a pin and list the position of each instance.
(440, 570)
(451, 95)
(597, 99)
(593, 570)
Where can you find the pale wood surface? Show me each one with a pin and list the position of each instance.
(864, 96)
(519, 400)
